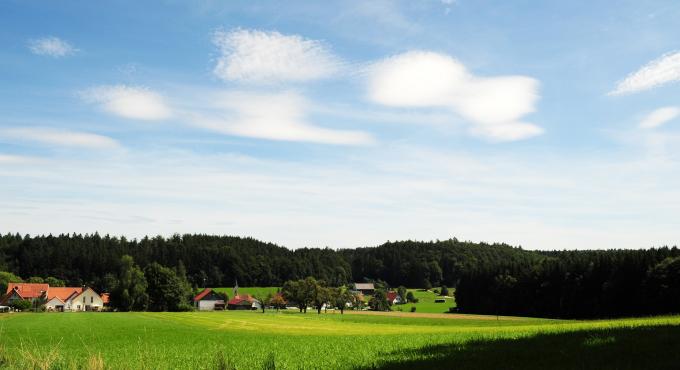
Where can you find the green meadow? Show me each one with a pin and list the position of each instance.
(252, 340)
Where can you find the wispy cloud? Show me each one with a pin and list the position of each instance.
(280, 116)
(658, 72)
(269, 57)
(51, 46)
(129, 101)
(59, 137)
(422, 79)
(659, 117)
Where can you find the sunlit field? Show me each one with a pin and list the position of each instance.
(252, 340)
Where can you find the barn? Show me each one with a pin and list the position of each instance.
(243, 302)
(209, 300)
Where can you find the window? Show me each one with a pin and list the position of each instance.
(91, 299)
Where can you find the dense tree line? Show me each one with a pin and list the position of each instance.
(488, 278)
(577, 284)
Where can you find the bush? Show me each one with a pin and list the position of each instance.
(22, 305)
(436, 291)
(413, 308)
(415, 300)
(445, 291)
(184, 307)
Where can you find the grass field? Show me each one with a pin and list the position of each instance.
(254, 291)
(252, 340)
(426, 302)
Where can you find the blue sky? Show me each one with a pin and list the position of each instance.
(549, 125)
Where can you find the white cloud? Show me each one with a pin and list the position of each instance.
(266, 57)
(60, 137)
(658, 72)
(276, 117)
(129, 102)
(424, 79)
(659, 117)
(51, 46)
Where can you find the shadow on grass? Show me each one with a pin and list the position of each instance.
(622, 348)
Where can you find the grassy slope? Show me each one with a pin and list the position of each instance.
(254, 291)
(247, 339)
(426, 302)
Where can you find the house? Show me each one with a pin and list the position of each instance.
(106, 298)
(209, 300)
(244, 302)
(34, 293)
(87, 300)
(365, 288)
(60, 298)
(54, 298)
(393, 298)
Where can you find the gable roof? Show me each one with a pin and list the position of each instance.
(63, 293)
(83, 291)
(391, 296)
(242, 298)
(57, 298)
(202, 294)
(28, 290)
(364, 286)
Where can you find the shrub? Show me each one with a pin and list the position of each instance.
(22, 305)
(413, 308)
(436, 291)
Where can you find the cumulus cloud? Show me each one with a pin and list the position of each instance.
(265, 57)
(56, 137)
(422, 79)
(129, 102)
(279, 116)
(659, 117)
(658, 72)
(51, 46)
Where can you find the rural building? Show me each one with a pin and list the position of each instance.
(244, 302)
(24, 292)
(365, 288)
(54, 298)
(61, 298)
(209, 300)
(393, 297)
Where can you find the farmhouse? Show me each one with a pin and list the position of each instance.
(24, 292)
(243, 302)
(365, 288)
(209, 300)
(393, 298)
(54, 298)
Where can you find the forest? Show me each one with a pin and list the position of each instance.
(489, 278)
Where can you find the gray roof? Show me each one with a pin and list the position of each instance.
(364, 286)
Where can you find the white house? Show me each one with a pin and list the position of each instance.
(209, 300)
(87, 300)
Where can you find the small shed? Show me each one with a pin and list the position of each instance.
(209, 300)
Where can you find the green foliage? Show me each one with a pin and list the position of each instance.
(166, 290)
(36, 280)
(54, 282)
(413, 308)
(129, 294)
(6, 278)
(379, 301)
(444, 291)
(22, 305)
(410, 297)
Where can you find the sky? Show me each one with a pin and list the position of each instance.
(549, 125)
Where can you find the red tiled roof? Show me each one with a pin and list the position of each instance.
(63, 293)
(240, 298)
(202, 294)
(28, 290)
(391, 296)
